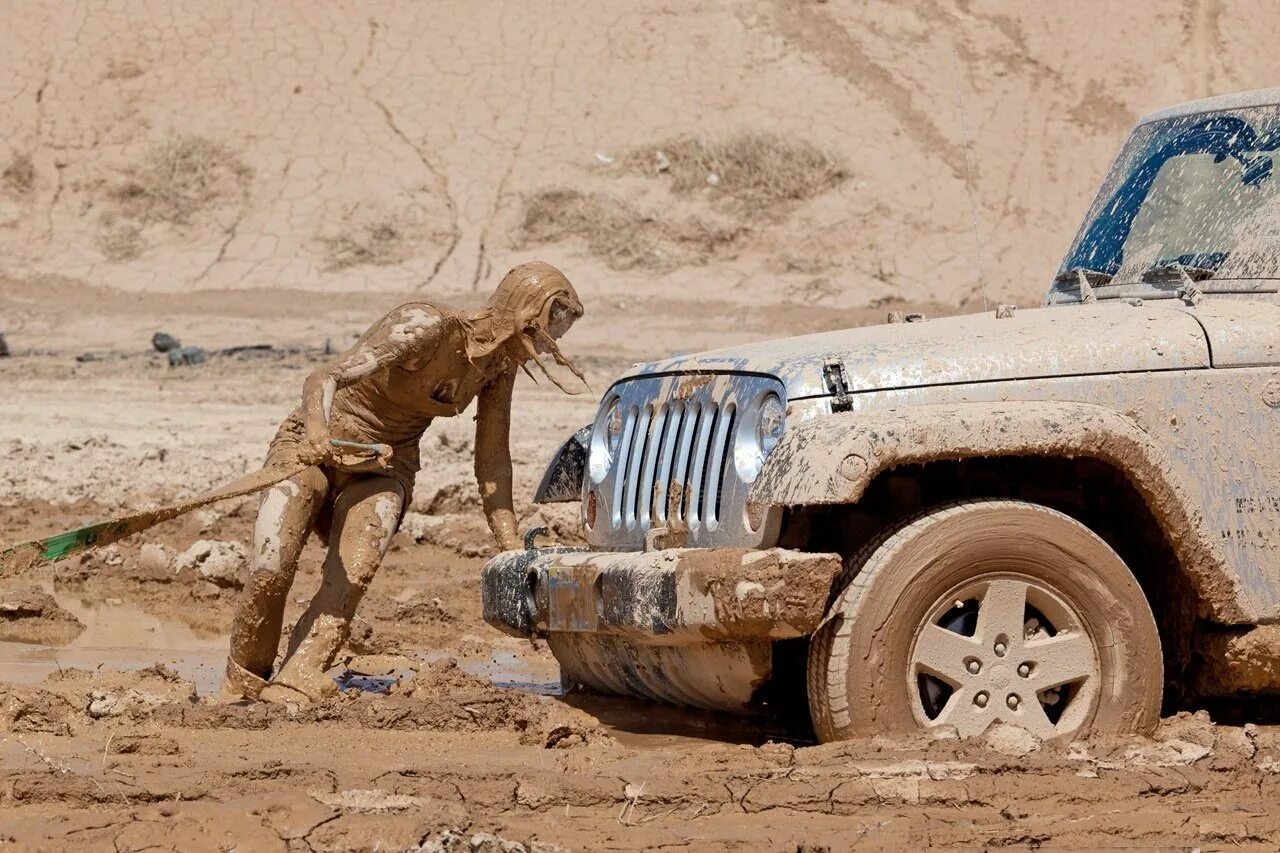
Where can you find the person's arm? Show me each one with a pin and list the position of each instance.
(493, 460)
(409, 333)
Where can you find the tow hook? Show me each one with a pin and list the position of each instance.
(531, 537)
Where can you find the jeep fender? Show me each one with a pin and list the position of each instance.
(832, 460)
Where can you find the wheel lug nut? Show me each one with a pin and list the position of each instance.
(1000, 649)
(1014, 701)
(981, 699)
(1024, 669)
(973, 666)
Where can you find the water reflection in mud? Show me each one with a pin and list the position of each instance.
(121, 636)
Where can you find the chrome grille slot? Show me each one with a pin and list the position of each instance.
(697, 479)
(623, 463)
(717, 462)
(674, 464)
(635, 459)
(677, 484)
(675, 419)
(644, 494)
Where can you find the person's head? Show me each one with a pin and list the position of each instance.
(533, 307)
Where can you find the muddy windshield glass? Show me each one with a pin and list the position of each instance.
(1189, 197)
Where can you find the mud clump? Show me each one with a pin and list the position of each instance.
(223, 564)
(32, 709)
(449, 698)
(32, 616)
(130, 694)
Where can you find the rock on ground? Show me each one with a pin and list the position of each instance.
(224, 564)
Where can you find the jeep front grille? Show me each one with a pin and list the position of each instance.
(673, 460)
(674, 466)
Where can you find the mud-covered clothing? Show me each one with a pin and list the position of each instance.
(397, 402)
(417, 363)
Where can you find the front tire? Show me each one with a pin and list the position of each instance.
(983, 612)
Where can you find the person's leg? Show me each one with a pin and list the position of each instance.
(365, 517)
(285, 517)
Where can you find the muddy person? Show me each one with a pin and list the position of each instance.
(418, 363)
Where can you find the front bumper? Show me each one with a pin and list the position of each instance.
(670, 597)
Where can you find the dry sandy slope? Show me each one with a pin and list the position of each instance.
(444, 114)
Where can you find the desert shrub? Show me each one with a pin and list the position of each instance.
(177, 179)
(383, 240)
(119, 240)
(19, 176)
(757, 170)
(620, 234)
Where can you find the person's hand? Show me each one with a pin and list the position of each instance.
(317, 450)
(375, 460)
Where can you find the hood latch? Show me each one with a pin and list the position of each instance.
(838, 386)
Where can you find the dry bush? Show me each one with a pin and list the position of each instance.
(384, 240)
(19, 177)
(179, 178)
(757, 170)
(119, 240)
(623, 236)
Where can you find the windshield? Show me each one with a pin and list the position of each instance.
(1195, 192)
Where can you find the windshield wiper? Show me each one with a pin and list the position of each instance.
(1085, 279)
(1174, 271)
(1186, 274)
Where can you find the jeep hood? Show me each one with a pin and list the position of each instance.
(1034, 343)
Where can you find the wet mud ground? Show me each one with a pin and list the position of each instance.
(107, 739)
(108, 742)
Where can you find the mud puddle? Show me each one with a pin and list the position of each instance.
(121, 636)
(118, 635)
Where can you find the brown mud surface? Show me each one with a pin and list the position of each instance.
(103, 749)
(110, 740)
(126, 761)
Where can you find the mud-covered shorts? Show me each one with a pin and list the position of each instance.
(405, 461)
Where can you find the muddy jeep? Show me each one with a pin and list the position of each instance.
(1059, 518)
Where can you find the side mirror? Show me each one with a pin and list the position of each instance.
(562, 482)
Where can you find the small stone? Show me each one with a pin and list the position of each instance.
(154, 557)
(165, 342)
(207, 590)
(103, 704)
(185, 356)
(4, 347)
(206, 519)
(421, 528)
(1011, 740)
(222, 563)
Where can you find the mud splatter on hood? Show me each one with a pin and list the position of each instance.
(1034, 343)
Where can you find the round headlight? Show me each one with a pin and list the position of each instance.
(605, 438)
(613, 428)
(770, 426)
(760, 436)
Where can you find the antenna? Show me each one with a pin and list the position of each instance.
(968, 177)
